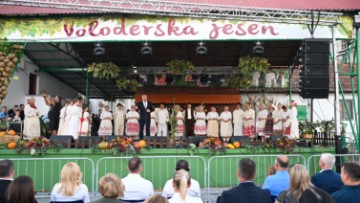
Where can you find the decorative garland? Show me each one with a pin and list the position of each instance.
(106, 70)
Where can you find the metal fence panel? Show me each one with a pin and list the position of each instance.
(222, 170)
(157, 169)
(45, 172)
(313, 161)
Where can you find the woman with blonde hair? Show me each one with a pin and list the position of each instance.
(299, 182)
(70, 187)
(181, 183)
(110, 188)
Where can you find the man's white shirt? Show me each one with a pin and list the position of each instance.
(137, 187)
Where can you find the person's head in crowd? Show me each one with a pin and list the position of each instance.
(350, 173)
(6, 169)
(135, 165)
(162, 106)
(75, 101)
(315, 195)
(156, 199)
(110, 186)
(226, 108)
(246, 170)
(86, 109)
(279, 106)
(299, 180)
(119, 106)
(16, 107)
(293, 103)
(57, 99)
(284, 108)
(17, 113)
(70, 179)
(22, 106)
(271, 171)
(181, 182)
(106, 108)
(182, 165)
(144, 97)
(248, 106)
(213, 109)
(67, 102)
(327, 161)
(262, 106)
(281, 163)
(21, 190)
(133, 108)
(177, 107)
(4, 109)
(200, 108)
(238, 106)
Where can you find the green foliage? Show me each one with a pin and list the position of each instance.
(127, 85)
(238, 81)
(173, 122)
(107, 70)
(180, 66)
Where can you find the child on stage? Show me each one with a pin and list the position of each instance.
(213, 123)
(132, 122)
(200, 124)
(225, 124)
(85, 123)
(106, 126)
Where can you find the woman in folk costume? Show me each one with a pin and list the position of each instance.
(213, 123)
(238, 115)
(294, 121)
(286, 121)
(132, 122)
(226, 124)
(200, 124)
(62, 117)
(74, 119)
(278, 120)
(269, 124)
(67, 116)
(249, 121)
(85, 123)
(261, 121)
(119, 120)
(106, 127)
(31, 122)
(179, 122)
(153, 129)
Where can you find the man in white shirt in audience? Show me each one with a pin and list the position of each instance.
(193, 191)
(137, 189)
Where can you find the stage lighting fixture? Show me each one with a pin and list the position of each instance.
(99, 49)
(258, 49)
(201, 49)
(146, 48)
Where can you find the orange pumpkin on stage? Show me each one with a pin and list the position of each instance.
(11, 145)
(237, 144)
(12, 132)
(2, 133)
(142, 143)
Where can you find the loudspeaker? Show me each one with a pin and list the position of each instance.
(314, 75)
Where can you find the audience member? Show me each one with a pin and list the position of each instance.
(17, 118)
(22, 111)
(137, 189)
(246, 191)
(70, 187)
(157, 199)
(110, 188)
(6, 177)
(350, 192)
(181, 183)
(3, 113)
(315, 195)
(280, 181)
(11, 112)
(193, 191)
(21, 190)
(270, 171)
(299, 182)
(327, 179)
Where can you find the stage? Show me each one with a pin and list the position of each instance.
(158, 164)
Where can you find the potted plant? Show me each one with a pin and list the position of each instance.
(307, 130)
(180, 67)
(106, 70)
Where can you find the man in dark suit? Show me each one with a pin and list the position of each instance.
(327, 179)
(246, 191)
(6, 177)
(189, 120)
(144, 108)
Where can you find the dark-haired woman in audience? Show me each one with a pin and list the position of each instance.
(315, 195)
(181, 183)
(156, 199)
(21, 190)
(110, 188)
(299, 182)
(70, 187)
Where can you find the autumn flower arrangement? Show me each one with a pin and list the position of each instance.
(215, 145)
(37, 146)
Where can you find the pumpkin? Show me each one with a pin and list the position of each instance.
(237, 144)
(230, 146)
(12, 132)
(2, 133)
(142, 143)
(104, 145)
(11, 145)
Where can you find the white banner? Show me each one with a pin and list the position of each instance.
(144, 28)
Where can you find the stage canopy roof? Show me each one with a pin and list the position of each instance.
(195, 95)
